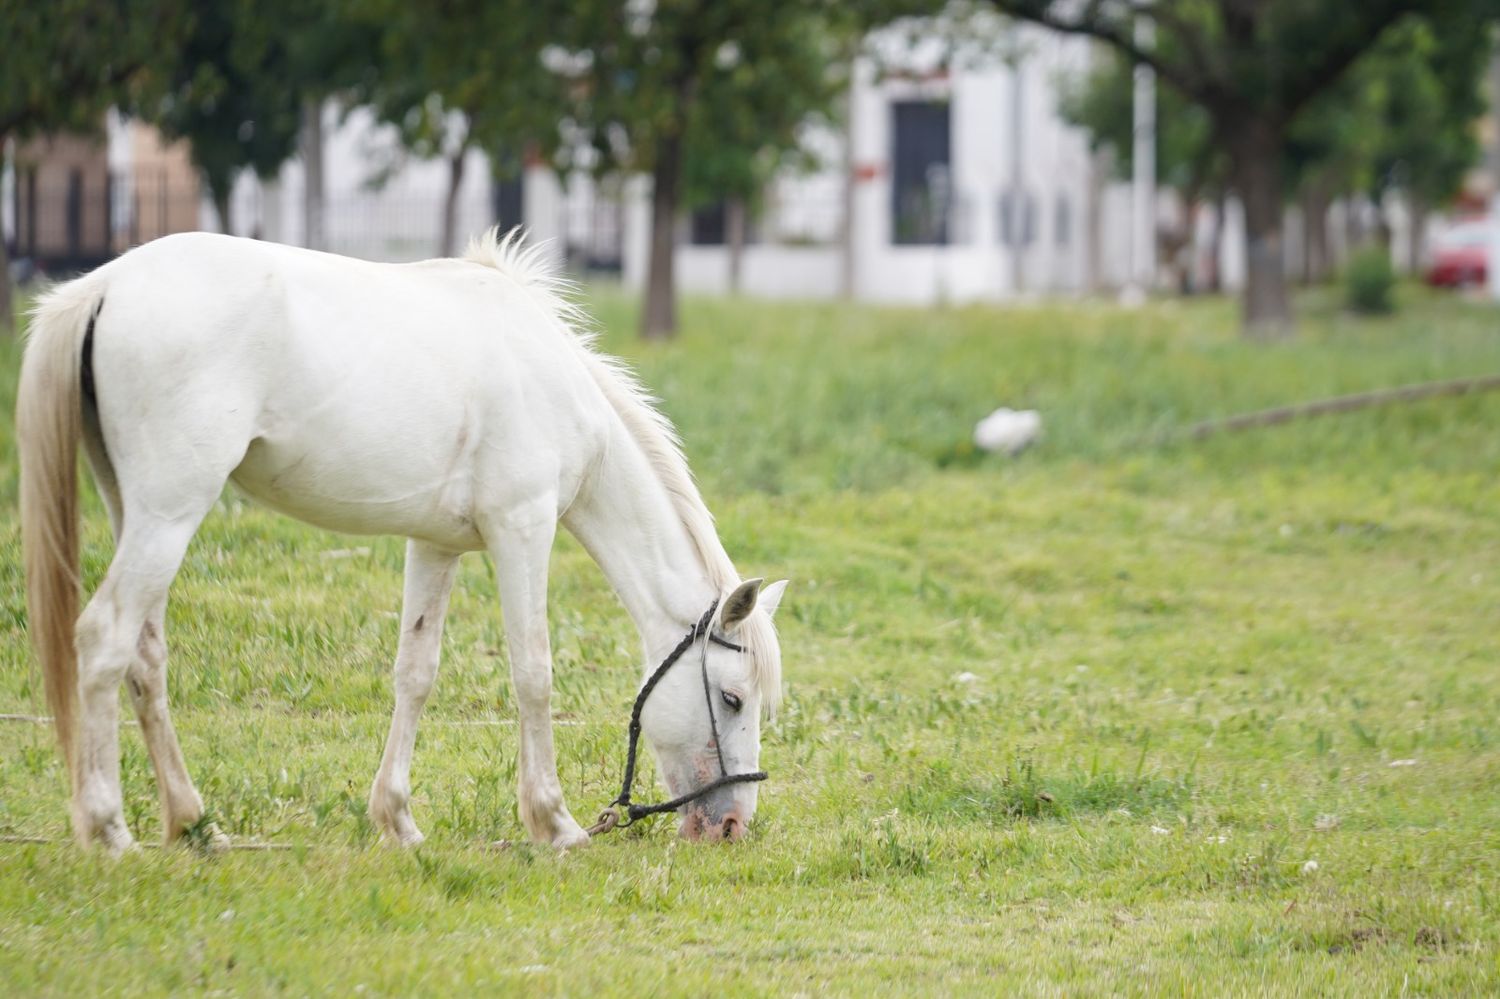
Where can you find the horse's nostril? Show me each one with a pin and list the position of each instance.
(732, 828)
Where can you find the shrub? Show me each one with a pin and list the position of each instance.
(1369, 281)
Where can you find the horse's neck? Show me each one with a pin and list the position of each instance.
(628, 523)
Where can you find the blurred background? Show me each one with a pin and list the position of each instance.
(888, 151)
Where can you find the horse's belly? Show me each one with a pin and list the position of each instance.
(349, 493)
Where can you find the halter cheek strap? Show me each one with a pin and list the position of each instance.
(610, 818)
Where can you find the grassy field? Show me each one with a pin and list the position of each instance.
(1209, 719)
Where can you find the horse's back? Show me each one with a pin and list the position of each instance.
(364, 397)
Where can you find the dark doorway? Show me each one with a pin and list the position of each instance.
(921, 173)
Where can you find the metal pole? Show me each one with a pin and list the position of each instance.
(1143, 173)
(848, 231)
(1017, 175)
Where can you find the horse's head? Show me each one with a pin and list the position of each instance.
(677, 723)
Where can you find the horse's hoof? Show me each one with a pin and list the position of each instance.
(116, 849)
(570, 838)
(402, 841)
(203, 837)
(113, 838)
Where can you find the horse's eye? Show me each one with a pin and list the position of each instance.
(732, 701)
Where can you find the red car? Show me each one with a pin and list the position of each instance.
(1460, 256)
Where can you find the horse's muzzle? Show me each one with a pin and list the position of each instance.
(701, 826)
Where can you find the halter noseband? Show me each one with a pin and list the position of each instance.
(610, 818)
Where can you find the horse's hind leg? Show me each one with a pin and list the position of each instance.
(146, 676)
(424, 602)
(146, 679)
(120, 638)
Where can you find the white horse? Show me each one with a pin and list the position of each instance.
(452, 402)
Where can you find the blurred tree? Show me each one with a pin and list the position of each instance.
(462, 74)
(66, 61)
(229, 97)
(246, 79)
(328, 51)
(1430, 95)
(746, 127)
(1253, 66)
(1402, 121)
(699, 93)
(1187, 159)
(1328, 154)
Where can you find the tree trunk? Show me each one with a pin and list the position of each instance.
(734, 237)
(1267, 308)
(448, 239)
(1382, 224)
(1214, 283)
(221, 206)
(1316, 265)
(659, 310)
(7, 298)
(1416, 232)
(314, 236)
(1176, 246)
(7, 295)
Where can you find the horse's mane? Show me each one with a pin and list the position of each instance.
(528, 267)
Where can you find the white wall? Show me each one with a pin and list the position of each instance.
(766, 271)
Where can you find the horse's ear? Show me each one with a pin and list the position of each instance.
(739, 604)
(770, 597)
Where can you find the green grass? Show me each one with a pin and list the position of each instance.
(1073, 723)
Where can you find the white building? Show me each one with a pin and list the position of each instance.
(963, 185)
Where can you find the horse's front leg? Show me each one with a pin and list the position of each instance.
(521, 554)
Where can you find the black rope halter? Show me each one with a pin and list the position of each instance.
(610, 818)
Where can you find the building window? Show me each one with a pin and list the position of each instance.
(1062, 221)
(921, 175)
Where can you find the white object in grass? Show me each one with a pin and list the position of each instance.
(1008, 431)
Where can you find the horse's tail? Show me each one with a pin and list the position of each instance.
(49, 424)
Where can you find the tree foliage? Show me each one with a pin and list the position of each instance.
(66, 61)
(1404, 117)
(706, 95)
(763, 90)
(1252, 68)
(464, 72)
(1429, 96)
(460, 74)
(231, 94)
(235, 88)
(1401, 119)
(1101, 103)
(1188, 159)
